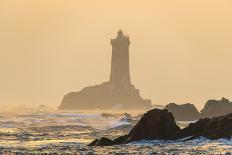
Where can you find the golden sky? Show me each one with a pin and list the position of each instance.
(181, 50)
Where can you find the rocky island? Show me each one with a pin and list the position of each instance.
(215, 108)
(118, 92)
(183, 112)
(188, 112)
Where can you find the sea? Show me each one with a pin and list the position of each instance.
(46, 130)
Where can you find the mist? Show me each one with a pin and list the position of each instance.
(180, 50)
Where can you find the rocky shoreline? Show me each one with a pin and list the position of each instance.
(161, 125)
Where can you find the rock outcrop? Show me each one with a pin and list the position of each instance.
(214, 108)
(101, 142)
(108, 115)
(106, 96)
(160, 124)
(184, 112)
(214, 128)
(155, 124)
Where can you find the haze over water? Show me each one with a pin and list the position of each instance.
(180, 50)
(37, 130)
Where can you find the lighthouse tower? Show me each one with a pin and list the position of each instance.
(118, 92)
(120, 71)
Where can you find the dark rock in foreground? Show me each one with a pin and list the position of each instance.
(160, 124)
(184, 112)
(214, 108)
(155, 124)
(214, 128)
(101, 142)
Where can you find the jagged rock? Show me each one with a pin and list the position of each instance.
(160, 124)
(93, 143)
(215, 108)
(155, 124)
(214, 128)
(127, 115)
(184, 112)
(101, 142)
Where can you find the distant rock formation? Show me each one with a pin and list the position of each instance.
(155, 106)
(118, 93)
(215, 108)
(108, 115)
(184, 112)
(160, 124)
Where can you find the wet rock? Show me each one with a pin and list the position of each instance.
(215, 108)
(214, 128)
(101, 142)
(160, 125)
(184, 112)
(93, 143)
(155, 124)
(121, 140)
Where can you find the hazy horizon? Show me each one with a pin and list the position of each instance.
(180, 50)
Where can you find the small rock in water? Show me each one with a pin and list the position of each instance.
(102, 142)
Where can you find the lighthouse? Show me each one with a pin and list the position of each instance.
(120, 71)
(118, 92)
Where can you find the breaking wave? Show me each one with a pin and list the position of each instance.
(29, 130)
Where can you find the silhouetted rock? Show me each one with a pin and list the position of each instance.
(155, 124)
(160, 124)
(118, 92)
(184, 112)
(93, 143)
(215, 108)
(214, 128)
(101, 142)
(128, 115)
